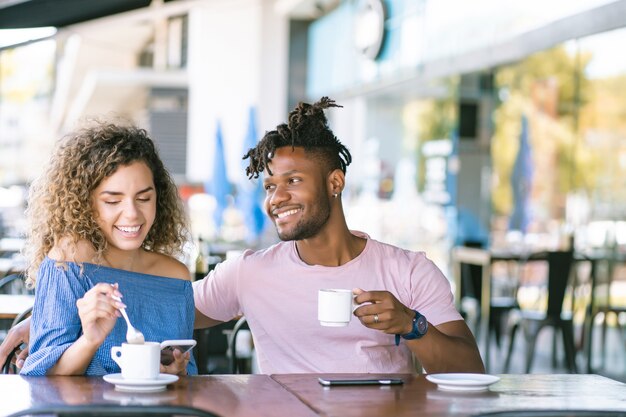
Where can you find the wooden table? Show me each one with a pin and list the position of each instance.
(298, 395)
(225, 395)
(12, 305)
(419, 397)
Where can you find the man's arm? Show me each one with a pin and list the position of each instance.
(17, 335)
(202, 321)
(447, 347)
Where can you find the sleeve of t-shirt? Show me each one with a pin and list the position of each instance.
(55, 323)
(431, 292)
(216, 295)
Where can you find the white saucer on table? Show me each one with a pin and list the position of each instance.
(463, 382)
(140, 385)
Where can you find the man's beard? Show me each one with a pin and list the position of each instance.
(308, 228)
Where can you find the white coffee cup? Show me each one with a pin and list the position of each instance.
(138, 361)
(334, 307)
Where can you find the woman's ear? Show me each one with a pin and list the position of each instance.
(337, 181)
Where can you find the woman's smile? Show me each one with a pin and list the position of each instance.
(129, 231)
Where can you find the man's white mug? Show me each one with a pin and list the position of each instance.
(334, 307)
(138, 361)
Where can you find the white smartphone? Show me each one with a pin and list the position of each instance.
(168, 346)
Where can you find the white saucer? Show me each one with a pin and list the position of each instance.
(140, 385)
(463, 382)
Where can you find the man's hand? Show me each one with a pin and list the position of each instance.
(384, 312)
(17, 335)
(447, 347)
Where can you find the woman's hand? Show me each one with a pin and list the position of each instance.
(98, 312)
(179, 365)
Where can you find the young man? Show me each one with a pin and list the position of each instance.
(405, 303)
(304, 167)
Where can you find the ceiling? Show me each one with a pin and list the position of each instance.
(20, 14)
(16, 14)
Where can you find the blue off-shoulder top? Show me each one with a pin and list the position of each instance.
(161, 308)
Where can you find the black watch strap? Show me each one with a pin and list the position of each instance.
(420, 326)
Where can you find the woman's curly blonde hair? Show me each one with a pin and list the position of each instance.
(60, 200)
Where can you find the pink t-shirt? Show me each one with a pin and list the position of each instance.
(277, 293)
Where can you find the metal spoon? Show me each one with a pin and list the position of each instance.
(133, 336)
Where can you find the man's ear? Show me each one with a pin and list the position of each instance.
(336, 182)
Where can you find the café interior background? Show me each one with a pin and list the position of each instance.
(441, 98)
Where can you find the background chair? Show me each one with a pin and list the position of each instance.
(499, 306)
(8, 367)
(8, 281)
(10, 284)
(473, 265)
(211, 353)
(610, 304)
(238, 364)
(532, 322)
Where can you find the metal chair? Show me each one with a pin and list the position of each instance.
(8, 279)
(6, 282)
(532, 322)
(112, 410)
(212, 350)
(8, 367)
(609, 307)
(470, 278)
(235, 366)
(499, 307)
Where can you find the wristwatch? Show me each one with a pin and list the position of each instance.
(420, 326)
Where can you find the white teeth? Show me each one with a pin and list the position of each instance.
(129, 229)
(286, 213)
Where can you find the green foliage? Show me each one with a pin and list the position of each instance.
(551, 89)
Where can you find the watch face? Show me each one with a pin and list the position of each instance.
(421, 324)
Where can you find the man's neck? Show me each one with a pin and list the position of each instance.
(330, 249)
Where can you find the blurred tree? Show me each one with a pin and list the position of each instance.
(604, 118)
(435, 118)
(551, 88)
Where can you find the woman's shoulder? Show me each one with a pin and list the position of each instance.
(65, 250)
(166, 266)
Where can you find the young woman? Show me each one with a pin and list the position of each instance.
(105, 220)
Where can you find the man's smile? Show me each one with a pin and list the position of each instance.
(284, 214)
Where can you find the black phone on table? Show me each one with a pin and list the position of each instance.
(329, 382)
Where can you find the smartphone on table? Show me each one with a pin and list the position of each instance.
(168, 347)
(329, 382)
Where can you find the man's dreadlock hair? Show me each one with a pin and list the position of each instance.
(307, 128)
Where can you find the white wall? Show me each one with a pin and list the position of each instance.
(274, 65)
(237, 59)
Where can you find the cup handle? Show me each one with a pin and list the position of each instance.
(114, 354)
(354, 304)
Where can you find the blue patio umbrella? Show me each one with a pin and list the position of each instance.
(218, 185)
(521, 182)
(250, 193)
